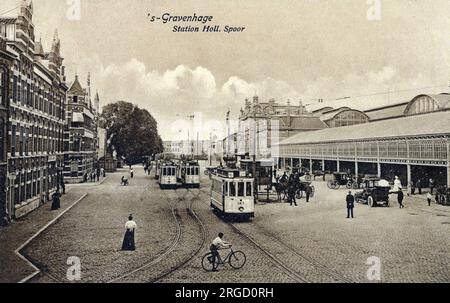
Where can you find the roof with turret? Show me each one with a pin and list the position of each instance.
(76, 88)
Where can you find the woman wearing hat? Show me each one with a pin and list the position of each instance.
(128, 240)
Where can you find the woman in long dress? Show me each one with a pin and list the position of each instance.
(128, 240)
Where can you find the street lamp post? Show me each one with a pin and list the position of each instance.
(210, 146)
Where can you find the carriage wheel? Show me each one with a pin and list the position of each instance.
(330, 184)
(370, 201)
(308, 178)
(349, 185)
(355, 185)
(299, 194)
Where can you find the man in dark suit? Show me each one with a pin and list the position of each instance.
(308, 192)
(350, 204)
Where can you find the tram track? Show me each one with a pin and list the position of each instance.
(204, 234)
(338, 277)
(165, 253)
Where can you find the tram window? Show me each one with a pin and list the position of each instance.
(225, 188)
(248, 189)
(232, 189)
(240, 189)
(197, 171)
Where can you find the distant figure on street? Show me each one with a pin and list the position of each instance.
(56, 201)
(124, 181)
(397, 184)
(431, 185)
(128, 240)
(103, 172)
(291, 190)
(217, 244)
(98, 174)
(350, 204)
(131, 173)
(419, 186)
(145, 168)
(412, 184)
(429, 197)
(400, 197)
(308, 193)
(63, 186)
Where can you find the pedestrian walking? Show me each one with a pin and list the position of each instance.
(400, 197)
(63, 186)
(56, 201)
(128, 243)
(429, 197)
(308, 191)
(350, 204)
(145, 168)
(397, 184)
(413, 188)
(419, 186)
(431, 185)
(131, 173)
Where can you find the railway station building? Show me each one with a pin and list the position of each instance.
(410, 140)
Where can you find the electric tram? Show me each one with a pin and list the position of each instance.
(160, 159)
(167, 175)
(188, 173)
(232, 193)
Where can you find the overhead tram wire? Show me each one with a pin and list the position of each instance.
(378, 93)
(8, 11)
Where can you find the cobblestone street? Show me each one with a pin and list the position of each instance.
(313, 242)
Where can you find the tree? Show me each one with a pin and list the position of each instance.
(133, 131)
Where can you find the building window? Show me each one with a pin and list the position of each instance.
(13, 140)
(2, 139)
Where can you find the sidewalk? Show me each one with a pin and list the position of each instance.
(74, 185)
(12, 267)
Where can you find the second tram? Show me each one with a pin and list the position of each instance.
(232, 193)
(167, 175)
(189, 174)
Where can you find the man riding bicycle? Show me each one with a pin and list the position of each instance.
(217, 244)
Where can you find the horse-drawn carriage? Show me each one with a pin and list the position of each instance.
(343, 179)
(301, 186)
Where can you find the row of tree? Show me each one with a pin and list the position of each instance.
(132, 131)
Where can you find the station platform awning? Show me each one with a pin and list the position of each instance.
(418, 125)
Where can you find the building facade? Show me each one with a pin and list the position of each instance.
(411, 145)
(263, 124)
(6, 60)
(35, 115)
(80, 133)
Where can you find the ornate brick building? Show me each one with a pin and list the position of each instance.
(35, 114)
(80, 135)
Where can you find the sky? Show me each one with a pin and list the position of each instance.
(300, 50)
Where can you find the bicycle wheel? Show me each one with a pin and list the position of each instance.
(206, 264)
(237, 259)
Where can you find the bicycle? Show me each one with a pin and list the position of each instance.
(236, 259)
